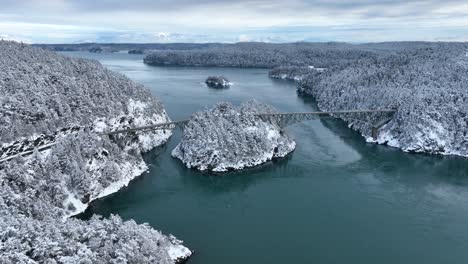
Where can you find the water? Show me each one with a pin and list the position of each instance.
(335, 199)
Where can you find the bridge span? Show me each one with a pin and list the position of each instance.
(281, 120)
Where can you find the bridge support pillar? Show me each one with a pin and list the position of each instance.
(375, 133)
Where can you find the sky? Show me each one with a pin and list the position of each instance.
(165, 21)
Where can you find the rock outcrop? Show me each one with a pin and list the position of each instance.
(218, 82)
(52, 99)
(231, 138)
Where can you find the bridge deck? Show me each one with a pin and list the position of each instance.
(181, 123)
(166, 124)
(170, 125)
(331, 112)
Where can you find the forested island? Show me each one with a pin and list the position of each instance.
(68, 101)
(424, 81)
(228, 138)
(217, 82)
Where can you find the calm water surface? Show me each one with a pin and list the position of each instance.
(336, 199)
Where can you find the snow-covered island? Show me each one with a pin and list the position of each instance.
(218, 82)
(231, 138)
(64, 102)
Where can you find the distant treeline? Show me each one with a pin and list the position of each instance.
(269, 55)
(115, 47)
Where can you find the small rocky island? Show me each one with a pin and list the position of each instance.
(136, 51)
(231, 138)
(218, 82)
(95, 50)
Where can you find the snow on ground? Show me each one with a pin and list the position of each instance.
(178, 252)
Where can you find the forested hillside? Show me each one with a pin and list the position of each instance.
(428, 86)
(263, 55)
(41, 93)
(269, 55)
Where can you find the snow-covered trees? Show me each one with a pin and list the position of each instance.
(269, 55)
(43, 92)
(262, 55)
(48, 98)
(39, 192)
(228, 137)
(217, 82)
(427, 85)
(426, 81)
(52, 240)
(106, 47)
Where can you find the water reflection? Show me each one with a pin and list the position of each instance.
(392, 174)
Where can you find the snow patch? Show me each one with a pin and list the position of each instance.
(177, 252)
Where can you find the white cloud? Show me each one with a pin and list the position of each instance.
(243, 20)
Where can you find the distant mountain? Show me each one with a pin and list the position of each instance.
(125, 46)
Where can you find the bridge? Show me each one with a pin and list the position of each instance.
(281, 120)
(160, 126)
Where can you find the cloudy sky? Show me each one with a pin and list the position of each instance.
(74, 21)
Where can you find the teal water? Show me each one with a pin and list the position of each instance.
(335, 199)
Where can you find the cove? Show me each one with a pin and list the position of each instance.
(335, 199)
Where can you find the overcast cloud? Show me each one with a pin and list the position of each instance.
(71, 21)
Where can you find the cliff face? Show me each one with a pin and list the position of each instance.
(65, 101)
(231, 138)
(427, 86)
